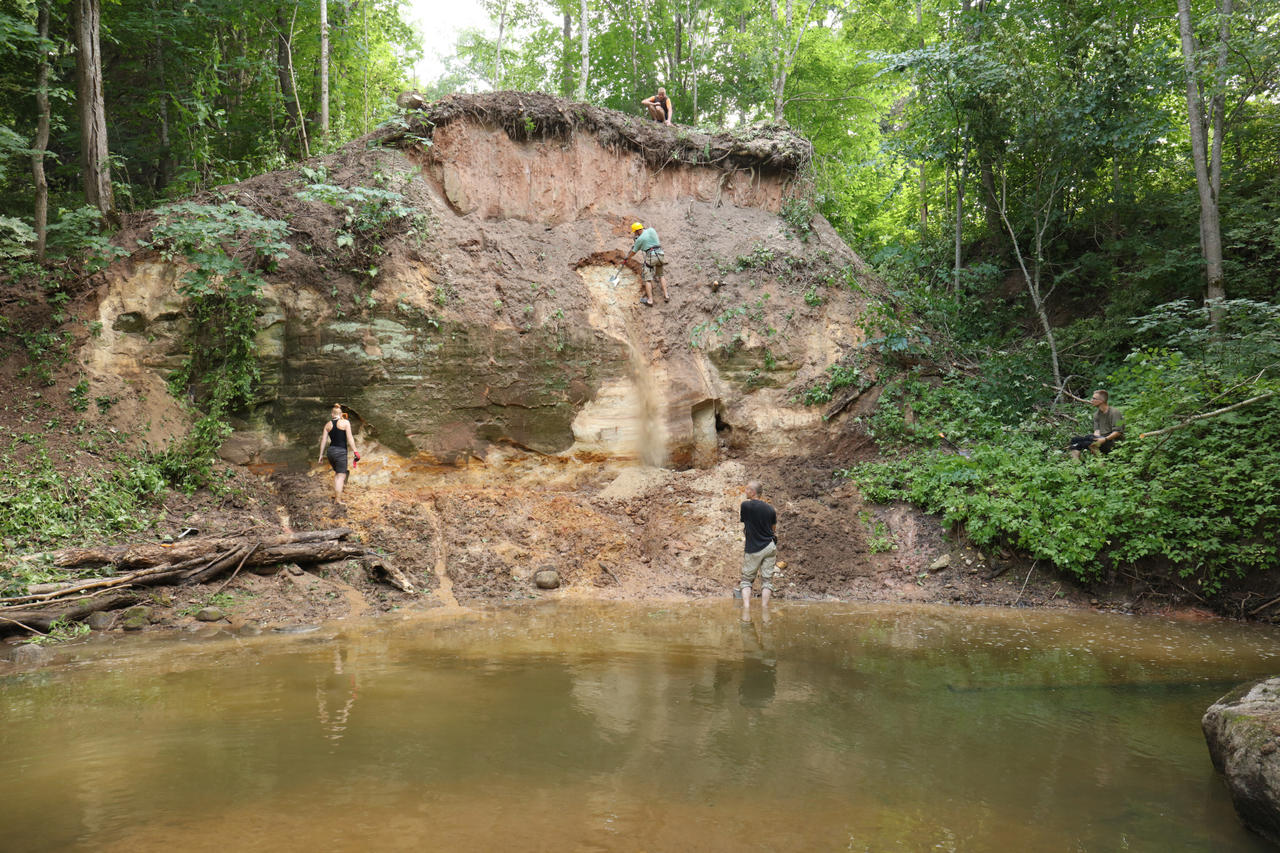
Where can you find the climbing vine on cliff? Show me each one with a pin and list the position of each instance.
(227, 247)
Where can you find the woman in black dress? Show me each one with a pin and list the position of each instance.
(342, 445)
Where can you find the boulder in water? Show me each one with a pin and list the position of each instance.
(1242, 730)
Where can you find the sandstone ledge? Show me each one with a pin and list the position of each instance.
(1242, 730)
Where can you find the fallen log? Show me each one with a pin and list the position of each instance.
(379, 569)
(42, 620)
(197, 561)
(149, 554)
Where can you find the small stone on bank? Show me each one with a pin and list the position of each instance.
(940, 563)
(101, 621)
(547, 579)
(136, 618)
(210, 614)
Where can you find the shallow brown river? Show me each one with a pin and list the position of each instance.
(590, 727)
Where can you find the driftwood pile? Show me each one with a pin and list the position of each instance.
(131, 568)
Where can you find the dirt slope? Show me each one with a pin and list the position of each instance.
(518, 410)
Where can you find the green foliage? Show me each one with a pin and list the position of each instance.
(16, 238)
(1202, 500)
(62, 630)
(369, 216)
(838, 376)
(760, 257)
(718, 325)
(226, 246)
(41, 505)
(79, 396)
(879, 538)
(798, 213)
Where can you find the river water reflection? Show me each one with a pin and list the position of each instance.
(591, 727)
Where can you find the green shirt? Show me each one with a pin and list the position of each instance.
(1105, 423)
(648, 239)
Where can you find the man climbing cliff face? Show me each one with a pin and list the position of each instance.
(654, 261)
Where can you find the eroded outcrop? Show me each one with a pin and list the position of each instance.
(496, 320)
(1242, 730)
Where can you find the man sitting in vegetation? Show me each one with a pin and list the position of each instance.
(1108, 428)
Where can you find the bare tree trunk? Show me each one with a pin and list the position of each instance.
(93, 114)
(364, 24)
(779, 63)
(693, 71)
(497, 53)
(586, 52)
(42, 134)
(324, 71)
(960, 176)
(1210, 223)
(1033, 276)
(924, 178)
(164, 167)
(566, 75)
(288, 79)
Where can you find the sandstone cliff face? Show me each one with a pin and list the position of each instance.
(494, 321)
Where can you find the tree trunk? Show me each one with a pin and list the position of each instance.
(1210, 223)
(497, 53)
(586, 52)
(42, 135)
(150, 554)
(924, 178)
(566, 73)
(93, 114)
(960, 176)
(288, 80)
(324, 71)
(779, 58)
(164, 164)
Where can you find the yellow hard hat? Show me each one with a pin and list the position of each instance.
(636, 226)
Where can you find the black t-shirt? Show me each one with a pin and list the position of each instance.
(758, 519)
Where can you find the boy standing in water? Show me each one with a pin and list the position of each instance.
(759, 525)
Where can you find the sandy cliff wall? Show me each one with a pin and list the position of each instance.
(495, 321)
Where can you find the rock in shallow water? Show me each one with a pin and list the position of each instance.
(1242, 730)
(31, 655)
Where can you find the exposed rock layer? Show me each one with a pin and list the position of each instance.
(495, 320)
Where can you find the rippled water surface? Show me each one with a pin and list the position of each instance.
(575, 727)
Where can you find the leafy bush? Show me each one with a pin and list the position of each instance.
(41, 505)
(838, 376)
(1202, 499)
(370, 215)
(226, 245)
